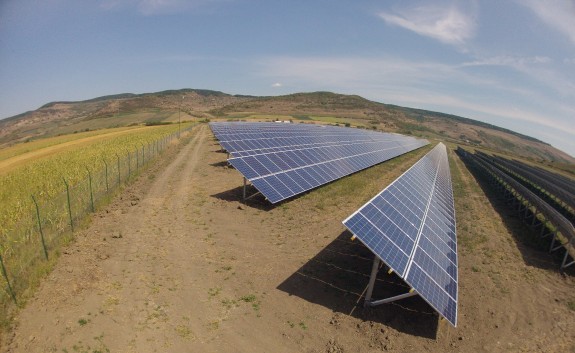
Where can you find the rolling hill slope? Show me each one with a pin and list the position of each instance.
(128, 109)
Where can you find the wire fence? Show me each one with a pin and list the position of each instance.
(27, 249)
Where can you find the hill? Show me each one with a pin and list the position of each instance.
(168, 106)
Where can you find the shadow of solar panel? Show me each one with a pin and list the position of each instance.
(284, 160)
(410, 226)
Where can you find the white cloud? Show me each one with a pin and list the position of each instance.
(277, 85)
(557, 14)
(448, 24)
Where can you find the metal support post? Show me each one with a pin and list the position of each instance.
(564, 263)
(553, 247)
(534, 219)
(411, 293)
(374, 269)
(244, 193)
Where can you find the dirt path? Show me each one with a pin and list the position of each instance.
(179, 264)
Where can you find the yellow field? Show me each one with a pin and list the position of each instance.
(38, 168)
(23, 148)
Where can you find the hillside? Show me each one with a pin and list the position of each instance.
(130, 109)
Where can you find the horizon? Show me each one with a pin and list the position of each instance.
(219, 91)
(510, 64)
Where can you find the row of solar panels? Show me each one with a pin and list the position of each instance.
(284, 160)
(560, 187)
(410, 225)
(242, 140)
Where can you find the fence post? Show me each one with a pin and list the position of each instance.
(106, 165)
(91, 192)
(129, 165)
(143, 155)
(7, 281)
(119, 176)
(40, 227)
(69, 204)
(137, 159)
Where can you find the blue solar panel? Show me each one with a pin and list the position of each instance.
(284, 160)
(243, 139)
(410, 226)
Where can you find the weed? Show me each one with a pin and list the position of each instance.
(248, 298)
(251, 298)
(111, 301)
(229, 303)
(214, 325)
(82, 322)
(223, 269)
(184, 332)
(212, 292)
(81, 347)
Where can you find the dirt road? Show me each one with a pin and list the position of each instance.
(178, 264)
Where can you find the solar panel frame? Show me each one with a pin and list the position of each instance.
(428, 262)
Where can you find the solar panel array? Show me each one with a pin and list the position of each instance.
(283, 160)
(410, 226)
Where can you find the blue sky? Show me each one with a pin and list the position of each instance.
(509, 63)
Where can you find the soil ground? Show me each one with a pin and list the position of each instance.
(177, 263)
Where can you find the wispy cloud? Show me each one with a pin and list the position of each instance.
(557, 14)
(510, 61)
(448, 24)
(497, 110)
(538, 68)
(276, 85)
(157, 7)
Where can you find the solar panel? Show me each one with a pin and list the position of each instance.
(283, 160)
(410, 226)
(244, 139)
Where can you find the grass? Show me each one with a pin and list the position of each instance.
(184, 331)
(212, 292)
(251, 298)
(97, 347)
